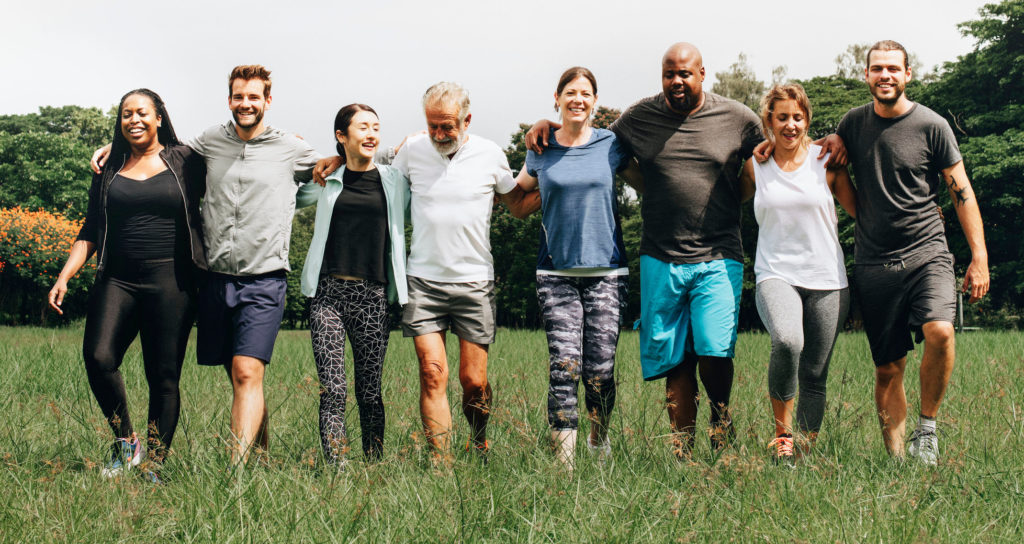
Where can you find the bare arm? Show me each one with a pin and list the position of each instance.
(842, 188)
(634, 176)
(832, 144)
(99, 158)
(976, 281)
(747, 180)
(521, 202)
(537, 136)
(324, 167)
(80, 253)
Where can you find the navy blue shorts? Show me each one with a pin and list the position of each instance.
(239, 315)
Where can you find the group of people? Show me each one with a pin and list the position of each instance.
(201, 229)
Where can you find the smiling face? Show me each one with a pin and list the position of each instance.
(447, 131)
(362, 136)
(576, 101)
(887, 75)
(682, 78)
(247, 102)
(789, 124)
(139, 121)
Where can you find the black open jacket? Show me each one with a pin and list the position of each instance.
(189, 171)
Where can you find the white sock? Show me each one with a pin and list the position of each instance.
(925, 424)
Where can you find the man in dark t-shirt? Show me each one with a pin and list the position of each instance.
(903, 276)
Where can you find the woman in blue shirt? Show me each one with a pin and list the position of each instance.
(582, 266)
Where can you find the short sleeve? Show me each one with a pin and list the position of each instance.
(504, 182)
(944, 147)
(618, 158)
(752, 134)
(843, 129)
(401, 161)
(532, 163)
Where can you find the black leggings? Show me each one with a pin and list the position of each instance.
(154, 300)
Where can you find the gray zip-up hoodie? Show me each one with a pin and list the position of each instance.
(250, 197)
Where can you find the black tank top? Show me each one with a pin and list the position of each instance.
(146, 218)
(358, 239)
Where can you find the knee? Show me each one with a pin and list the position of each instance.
(889, 373)
(246, 376)
(433, 376)
(99, 359)
(787, 347)
(473, 385)
(938, 334)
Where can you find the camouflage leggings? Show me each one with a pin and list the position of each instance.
(581, 318)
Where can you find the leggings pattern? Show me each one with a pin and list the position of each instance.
(581, 319)
(154, 300)
(358, 308)
(803, 324)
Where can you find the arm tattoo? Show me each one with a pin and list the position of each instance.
(958, 191)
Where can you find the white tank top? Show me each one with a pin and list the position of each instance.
(797, 240)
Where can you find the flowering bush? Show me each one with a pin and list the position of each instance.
(33, 248)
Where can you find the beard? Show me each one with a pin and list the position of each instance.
(257, 117)
(889, 101)
(446, 147)
(687, 103)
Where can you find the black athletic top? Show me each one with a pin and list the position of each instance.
(358, 238)
(147, 218)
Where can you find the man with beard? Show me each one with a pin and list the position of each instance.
(253, 173)
(453, 178)
(904, 275)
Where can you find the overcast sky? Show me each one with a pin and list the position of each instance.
(384, 53)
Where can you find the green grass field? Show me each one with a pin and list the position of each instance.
(53, 439)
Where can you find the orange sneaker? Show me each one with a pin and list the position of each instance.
(783, 445)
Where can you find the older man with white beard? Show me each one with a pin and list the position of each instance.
(454, 177)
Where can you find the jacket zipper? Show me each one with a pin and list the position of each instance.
(184, 201)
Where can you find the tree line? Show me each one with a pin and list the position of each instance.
(44, 166)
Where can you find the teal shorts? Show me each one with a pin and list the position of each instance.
(687, 308)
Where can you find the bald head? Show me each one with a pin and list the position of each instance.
(682, 78)
(683, 50)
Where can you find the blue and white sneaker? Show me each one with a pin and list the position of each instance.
(125, 453)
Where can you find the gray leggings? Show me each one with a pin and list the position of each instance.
(803, 324)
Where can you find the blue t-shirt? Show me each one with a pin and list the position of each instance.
(580, 226)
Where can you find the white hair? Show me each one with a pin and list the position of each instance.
(447, 93)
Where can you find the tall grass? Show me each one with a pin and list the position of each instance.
(53, 438)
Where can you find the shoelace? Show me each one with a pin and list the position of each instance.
(783, 446)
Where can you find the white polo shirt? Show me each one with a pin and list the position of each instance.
(451, 207)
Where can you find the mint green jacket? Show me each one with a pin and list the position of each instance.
(396, 193)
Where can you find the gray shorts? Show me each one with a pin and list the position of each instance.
(898, 297)
(468, 309)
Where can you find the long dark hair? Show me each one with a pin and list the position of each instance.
(344, 119)
(164, 133)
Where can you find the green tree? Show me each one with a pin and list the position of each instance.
(981, 94)
(740, 83)
(41, 170)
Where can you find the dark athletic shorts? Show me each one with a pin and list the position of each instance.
(898, 297)
(239, 315)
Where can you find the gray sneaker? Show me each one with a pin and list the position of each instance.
(924, 446)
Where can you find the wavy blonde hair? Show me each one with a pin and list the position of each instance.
(788, 91)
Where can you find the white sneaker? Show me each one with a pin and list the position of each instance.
(602, 451)
(924, 446)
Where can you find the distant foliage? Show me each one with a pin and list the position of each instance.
(33, 248)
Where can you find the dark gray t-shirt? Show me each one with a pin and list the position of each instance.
(691, 166)
(897, 167)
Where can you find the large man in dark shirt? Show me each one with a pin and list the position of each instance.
(903, 275)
